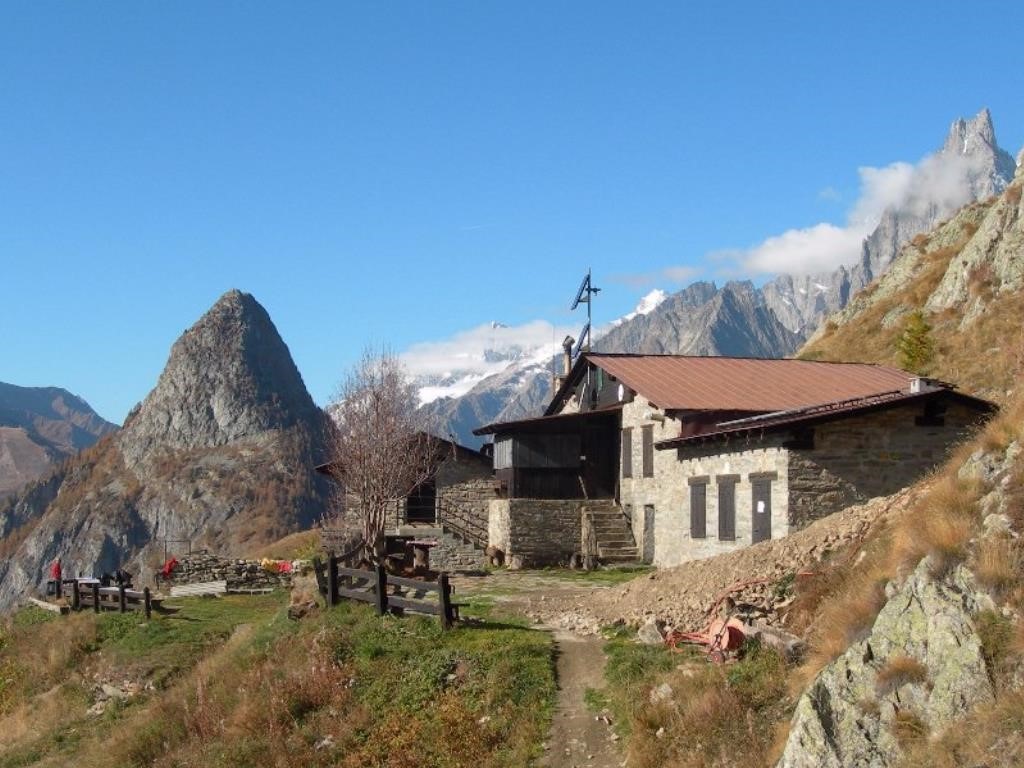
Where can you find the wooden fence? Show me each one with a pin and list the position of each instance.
(111, 599)
(372, 586)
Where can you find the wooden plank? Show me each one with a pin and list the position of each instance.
(356, 573)
(51, 607)
(416, 606)
(200, 588)
(428, 586)
(362, 596)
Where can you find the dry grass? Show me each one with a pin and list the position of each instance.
(898, 671)
(998, 563)
(991, 735)
(909, 729)
(716, 716)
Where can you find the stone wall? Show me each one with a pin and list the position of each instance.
(743, 463)
(660, 491)
(453, 554)
(536, 532)
(861, 457)
(240, 575)
(467, 484)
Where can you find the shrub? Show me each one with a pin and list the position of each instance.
(916, 346)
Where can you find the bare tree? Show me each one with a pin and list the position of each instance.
(381, 452)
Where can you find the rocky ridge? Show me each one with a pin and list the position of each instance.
(39, 427)
(220, 454)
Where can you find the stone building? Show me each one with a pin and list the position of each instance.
(694, 456)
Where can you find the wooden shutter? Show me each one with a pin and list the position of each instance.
(698, 511)
(627, 452)
(727, 511)
(761, 509)
(647, 441)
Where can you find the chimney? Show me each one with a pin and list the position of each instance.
(559, 379)
(920, 384)
(567, 343)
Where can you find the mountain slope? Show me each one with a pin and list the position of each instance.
(40, 426)
(965, 278)
(220, 454)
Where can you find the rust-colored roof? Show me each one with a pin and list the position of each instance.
(675, 382)
(825, 412)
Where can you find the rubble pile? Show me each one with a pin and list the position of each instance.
(685, 596)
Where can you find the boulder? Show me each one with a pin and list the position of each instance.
(845, 718)
(650, 633)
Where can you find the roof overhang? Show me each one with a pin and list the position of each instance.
(553, 423)
(806, 417)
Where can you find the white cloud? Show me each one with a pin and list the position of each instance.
(941, 181)
(482, 350)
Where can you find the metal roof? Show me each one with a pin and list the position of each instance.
(823, 412)
(674, 382)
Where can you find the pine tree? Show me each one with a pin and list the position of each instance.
(915, 344)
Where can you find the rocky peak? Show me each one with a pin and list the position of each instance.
(975, 139)
(229, 376)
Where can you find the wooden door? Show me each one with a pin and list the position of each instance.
(761, 509)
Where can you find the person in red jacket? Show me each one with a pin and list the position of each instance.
(55, 570)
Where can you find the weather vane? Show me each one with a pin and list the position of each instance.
(583, 296)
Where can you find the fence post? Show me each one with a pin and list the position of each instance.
(122, 603)
(95, 597)
(332, 580)
(76, 600)
(148, 602)
(446, 601)
(382, 590)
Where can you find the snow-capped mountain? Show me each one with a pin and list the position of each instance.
(738, 318)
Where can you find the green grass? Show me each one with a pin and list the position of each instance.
(390, 690)
(630, 672)
(610, 576)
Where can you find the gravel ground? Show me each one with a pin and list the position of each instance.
(683, 596)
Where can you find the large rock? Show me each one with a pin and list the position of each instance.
(846, 717)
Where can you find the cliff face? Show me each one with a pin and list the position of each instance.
(220, 454)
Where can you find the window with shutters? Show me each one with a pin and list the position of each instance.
(698, 511)
(726, 509)
(627, 452)
(647, 441)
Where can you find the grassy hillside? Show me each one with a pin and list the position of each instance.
(234, 682)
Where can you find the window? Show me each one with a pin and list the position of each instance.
(627, 452)
(647, 441)
(727, 507)
(698, 510)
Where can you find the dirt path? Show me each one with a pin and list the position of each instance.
(577, 737)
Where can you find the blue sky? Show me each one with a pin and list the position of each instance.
(399, 172)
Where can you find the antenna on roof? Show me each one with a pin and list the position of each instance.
(584, 296)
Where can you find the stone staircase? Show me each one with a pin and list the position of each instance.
(615, 542)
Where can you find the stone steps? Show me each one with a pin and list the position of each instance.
(615, 542)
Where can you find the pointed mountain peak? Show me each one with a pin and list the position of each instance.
(228, 377)
(973, 136)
